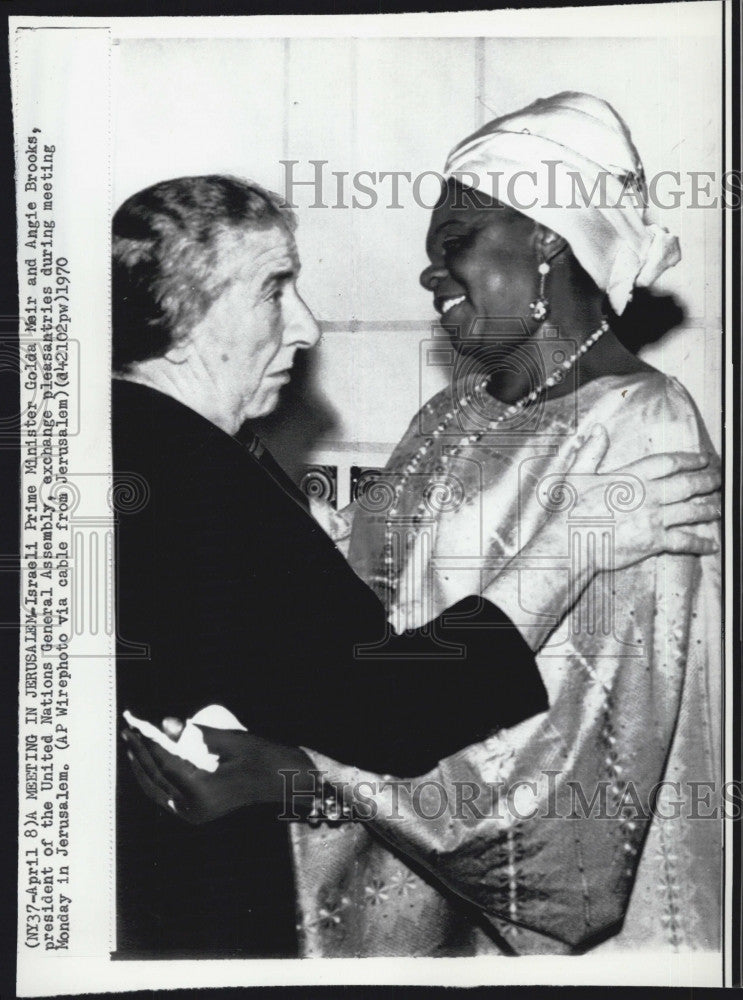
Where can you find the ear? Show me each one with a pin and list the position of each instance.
(178, 353)
(547, 243)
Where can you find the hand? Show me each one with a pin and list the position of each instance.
(247, 775)
(674, 494)
(335, 523)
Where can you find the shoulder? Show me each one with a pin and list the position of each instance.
(153, 427)
(644, 413)
(436, 409)
(195, 473)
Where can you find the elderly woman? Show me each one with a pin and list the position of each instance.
(455, 862)
(575, 848)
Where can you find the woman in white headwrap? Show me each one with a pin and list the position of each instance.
(501, 848)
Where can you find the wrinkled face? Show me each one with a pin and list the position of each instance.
(483, 270)
(246, 342)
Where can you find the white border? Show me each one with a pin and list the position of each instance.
(620, 21)
(75, 975)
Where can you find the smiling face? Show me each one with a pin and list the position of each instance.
(483, 270)
(243, 348)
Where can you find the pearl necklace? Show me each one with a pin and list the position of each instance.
(468, 439)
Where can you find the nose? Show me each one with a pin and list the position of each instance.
(432, 275)
(301, 330)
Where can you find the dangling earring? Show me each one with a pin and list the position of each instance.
(540, 307)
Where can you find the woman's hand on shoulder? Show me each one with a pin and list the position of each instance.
(658, 503)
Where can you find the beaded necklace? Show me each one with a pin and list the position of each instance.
(557, 376)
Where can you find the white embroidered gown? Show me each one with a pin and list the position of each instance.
(633, 677)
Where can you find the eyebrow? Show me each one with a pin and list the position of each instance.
(287, 274)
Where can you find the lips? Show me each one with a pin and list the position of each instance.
(282, 375)
(444, 304)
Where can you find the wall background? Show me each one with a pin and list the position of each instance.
(241, 106)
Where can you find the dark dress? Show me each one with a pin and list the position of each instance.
(229, 593)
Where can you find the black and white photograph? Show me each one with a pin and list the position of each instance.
(375, 483)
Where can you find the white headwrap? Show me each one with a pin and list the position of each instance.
(556, 140)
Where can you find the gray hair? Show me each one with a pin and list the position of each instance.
(174, 254)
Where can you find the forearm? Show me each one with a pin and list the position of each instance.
(400, 704)
(290, 778)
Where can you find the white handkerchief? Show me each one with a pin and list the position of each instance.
(190, 744)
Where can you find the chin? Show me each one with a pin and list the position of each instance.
(260, 408)
(466, 345)
(490, 345)
(466, 336)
